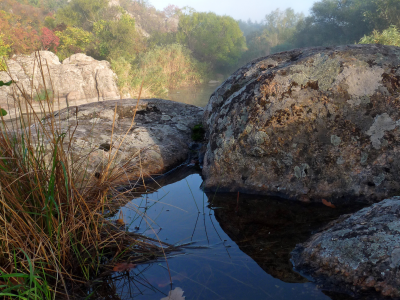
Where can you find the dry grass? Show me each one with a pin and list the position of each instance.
(161, 69)
(54, 231)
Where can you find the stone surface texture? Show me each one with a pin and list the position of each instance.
(157, 141)
(308, 124)
(357, 253)
(77, 80)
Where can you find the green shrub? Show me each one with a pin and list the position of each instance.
(198, 133)
(390, 36)
(4, 51)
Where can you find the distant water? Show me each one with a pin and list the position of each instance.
(196, 95)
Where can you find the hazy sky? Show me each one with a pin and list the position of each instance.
(239, 9)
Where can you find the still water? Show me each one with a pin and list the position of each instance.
(196, 95)
(237, 248)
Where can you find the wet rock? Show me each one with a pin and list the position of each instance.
(357, 253)
(308, 124)
(268, 228)
(149, 146)
(77, 80)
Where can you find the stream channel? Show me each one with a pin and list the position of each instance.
(237, 249)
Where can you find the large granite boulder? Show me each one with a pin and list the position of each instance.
(358, 253)
(77, 80)
(308, 124)
(158, 140)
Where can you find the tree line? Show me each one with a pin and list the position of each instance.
(136, 38)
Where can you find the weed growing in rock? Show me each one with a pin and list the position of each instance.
(198, 133)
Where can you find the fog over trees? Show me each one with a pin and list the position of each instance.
(133, 36)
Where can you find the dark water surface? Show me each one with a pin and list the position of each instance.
(237, 251)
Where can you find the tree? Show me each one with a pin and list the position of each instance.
(212, 38)
(82, 13)
(118, 38)
(383, 13)
(334, 22)
(280, 28)
(49, 40)
(73, 40)
(22, 39)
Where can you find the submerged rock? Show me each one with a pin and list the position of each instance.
(308, 124)
(157, 140)
(357, 253)
(268, 228)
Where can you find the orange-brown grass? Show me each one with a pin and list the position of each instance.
(54, 231)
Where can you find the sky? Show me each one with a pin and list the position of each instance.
(238, 9)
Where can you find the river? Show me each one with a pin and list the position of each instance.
(196, 95)
(237, 246)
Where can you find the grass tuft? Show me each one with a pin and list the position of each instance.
(54, 230)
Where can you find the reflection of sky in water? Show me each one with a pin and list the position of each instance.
(213, 268)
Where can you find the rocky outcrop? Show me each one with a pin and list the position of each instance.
(357, 253)
(156, 141)
(308, 124)
(78, 79)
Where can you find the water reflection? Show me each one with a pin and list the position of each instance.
(230, 251)
(267, 229)
(196, 95)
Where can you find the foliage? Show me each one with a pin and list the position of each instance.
(49, 40)
(275, 34)
(160, 69)
(152, 20)
(117, 38)
(82, 13)
(383, 13)
(8, 83)
(280, 26)
(73, 40)
(248, 27)
(159, 38)
(22, 39)
(43, 95)
(27, 14)
(50, 22)
(198, 133)
(211, 38)
(53, 230)
(390, 36)
(334, 22)
(4, 50)
(257, 46)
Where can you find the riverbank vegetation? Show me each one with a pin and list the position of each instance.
(133, 36)
(56, 234)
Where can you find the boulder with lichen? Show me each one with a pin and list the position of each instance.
(358, 253)
(308, 124)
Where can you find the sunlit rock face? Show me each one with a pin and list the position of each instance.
(154, 142)
(358, 253)
(77, 80)
(308, 124)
